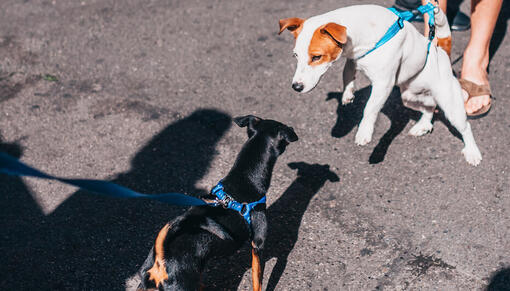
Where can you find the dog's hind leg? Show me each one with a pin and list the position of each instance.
(453, 107)
(424, 125)
(143, 274)
(256, 270)
(349, 75)
(424, 103)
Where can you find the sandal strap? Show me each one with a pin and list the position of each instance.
(474, 89)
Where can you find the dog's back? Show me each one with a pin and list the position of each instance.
(183, 246)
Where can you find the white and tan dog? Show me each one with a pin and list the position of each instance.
(424, 81)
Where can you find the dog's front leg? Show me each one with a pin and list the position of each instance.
(349, 75)
(380, 92)
(259, 234)
(256, 270)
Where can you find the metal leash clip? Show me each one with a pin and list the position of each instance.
(225, 201)
(432, 31)
(245, 209)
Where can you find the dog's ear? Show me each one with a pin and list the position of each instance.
(332, 176)
(296, 165)
(288, 134)
(336, 31)
(293, 24)
(243, 121)
(248, 121)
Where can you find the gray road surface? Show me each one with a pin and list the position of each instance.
(142, 92)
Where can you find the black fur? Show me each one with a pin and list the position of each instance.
(204, 232)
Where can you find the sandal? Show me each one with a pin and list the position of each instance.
(474, 90)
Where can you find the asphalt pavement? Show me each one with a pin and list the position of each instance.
(142, 93)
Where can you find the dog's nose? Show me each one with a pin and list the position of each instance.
(298, 86)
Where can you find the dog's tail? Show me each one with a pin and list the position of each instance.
(443, 33)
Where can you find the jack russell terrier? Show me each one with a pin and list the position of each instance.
(424, 76)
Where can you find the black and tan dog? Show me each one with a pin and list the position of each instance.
(184, 245)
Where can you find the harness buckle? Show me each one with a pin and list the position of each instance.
(400, 22)
(224, 202)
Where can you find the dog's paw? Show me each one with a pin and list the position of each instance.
(363, 137)
(347, 96)
(421, 128)
(472, 156)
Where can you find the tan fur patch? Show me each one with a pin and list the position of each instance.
(293, 24)
(256, 271)
(445, 43)
(158, 271)
(324, 45)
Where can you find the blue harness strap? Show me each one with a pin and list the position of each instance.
(11, 166)
(228, 202)
(429, 9)
(399, 24)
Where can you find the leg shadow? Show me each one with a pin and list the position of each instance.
(453, 7)
(284, 217)
(19, 219)
(399, 116)
(94, 243)
(500, 281)
(350, 115)
(441, 117)
(500, 29)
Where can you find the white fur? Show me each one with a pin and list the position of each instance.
(399, 62)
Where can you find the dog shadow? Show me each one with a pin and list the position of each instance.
(350, 115)
(95, 243)
(284, 219)
(500, 281)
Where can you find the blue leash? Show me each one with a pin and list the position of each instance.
(399, 24)
(12, 166)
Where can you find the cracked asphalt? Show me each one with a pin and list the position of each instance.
(142, 92)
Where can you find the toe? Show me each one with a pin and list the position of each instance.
(486, 100)
(476, 103)
(470, 107)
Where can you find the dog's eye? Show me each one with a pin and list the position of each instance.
(316, 58)
(294, 55)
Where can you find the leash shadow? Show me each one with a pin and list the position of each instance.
(284, 217)
(350, 115)
(92, 242)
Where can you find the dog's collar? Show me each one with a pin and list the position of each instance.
(225, 200)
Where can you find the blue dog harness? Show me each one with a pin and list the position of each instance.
(399, 24)
(228, 202)
(12, 166)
